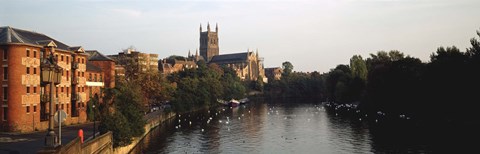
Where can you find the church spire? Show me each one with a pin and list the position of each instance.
(216, 27)
(200, 27)
(189, 55)
(208, 27)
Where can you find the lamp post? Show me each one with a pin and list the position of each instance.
(51, 74)
(93, 106)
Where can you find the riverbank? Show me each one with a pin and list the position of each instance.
(152, 122)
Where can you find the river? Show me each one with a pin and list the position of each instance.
(295, 127)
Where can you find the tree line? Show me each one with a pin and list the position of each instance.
(444, 88)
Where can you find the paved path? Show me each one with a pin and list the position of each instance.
(13, 143)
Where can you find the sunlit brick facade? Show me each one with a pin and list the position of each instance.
(24, 97)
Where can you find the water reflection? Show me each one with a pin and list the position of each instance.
(294, 127)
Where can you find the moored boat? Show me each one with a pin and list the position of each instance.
(234, 103)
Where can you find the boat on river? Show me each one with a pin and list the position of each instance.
(234, 103)
(223, 102)
(244, 100)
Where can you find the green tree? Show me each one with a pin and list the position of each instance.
(287, 68)
(359, 67)
(127, 117)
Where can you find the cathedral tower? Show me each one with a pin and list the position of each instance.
(209, 43)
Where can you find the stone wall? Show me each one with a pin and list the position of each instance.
(102, 144)
(151, 124)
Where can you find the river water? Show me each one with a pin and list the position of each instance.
(296, 127)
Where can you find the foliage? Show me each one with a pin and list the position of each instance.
(126, 119)
(287, 68)
(359, 67)
(295, 84)
(202, 86)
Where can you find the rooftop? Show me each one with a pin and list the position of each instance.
(14, 35)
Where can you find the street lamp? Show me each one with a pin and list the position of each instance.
(93, 106)
(51, 74)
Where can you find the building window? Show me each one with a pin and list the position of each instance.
(28, 109)
(34, 54)
(5, 93)
(56, 57)
(5, 54)
(61, 89)
(61, 58)
(28, 90)
(68, 89)
(82, 60)
(34, 70)
(83, 74)
(34, 108)
(5, 113)
(83, 89)
(62, 107)
(34, 90)
(68, 108)
(68, 75)
(5, 73)
(56, 91)
(28, 53)
(28, 70)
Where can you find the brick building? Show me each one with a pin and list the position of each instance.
(24, 97)
(139, 60)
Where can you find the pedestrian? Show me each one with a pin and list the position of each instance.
(80, 134)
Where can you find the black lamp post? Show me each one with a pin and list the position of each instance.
(51, 74)
(93, 106)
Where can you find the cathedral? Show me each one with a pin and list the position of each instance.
(248, 65)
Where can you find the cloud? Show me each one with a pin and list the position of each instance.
(128, 12)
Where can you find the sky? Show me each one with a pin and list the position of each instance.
(314, 35)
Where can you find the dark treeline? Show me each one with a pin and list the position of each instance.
(295, 84)
(445, 88)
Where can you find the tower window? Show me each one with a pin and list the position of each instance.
(5, 113)
(5, 73)
(28, 53)
(5, 93)
(5, 54)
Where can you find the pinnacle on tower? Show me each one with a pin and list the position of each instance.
(208, 27)
(216, 27)
(200, 27)
(189, 55)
